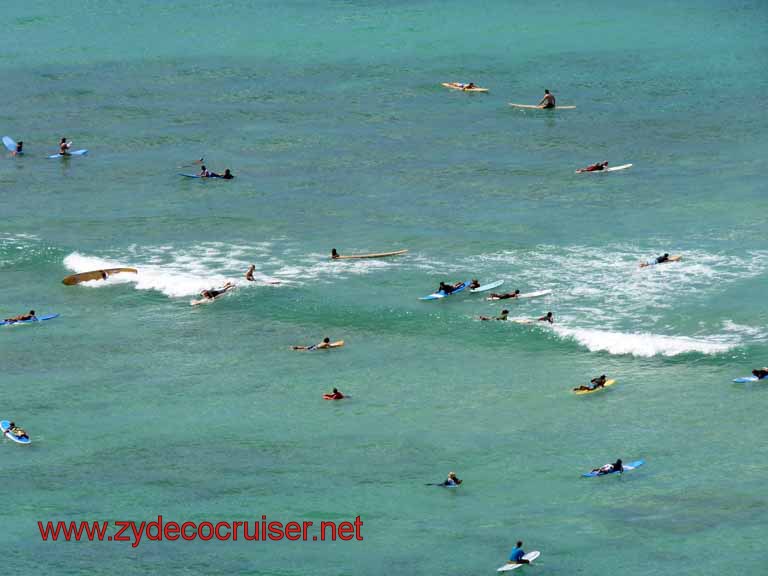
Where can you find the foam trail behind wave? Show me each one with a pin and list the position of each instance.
(643, 344)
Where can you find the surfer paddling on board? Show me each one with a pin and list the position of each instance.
(447, 288)
(517, 553)
(334, 254)
(760, 373)
(495, 296)
(608, 468)
(504, 316)
(596, 167)
(596, 383)
(16, 431)
(22, 317)
(205, 173)
(548, 317)
(214, 293)
(658, 260)
(548, 101)
(326, 343)
(335, 395)
(64, 147)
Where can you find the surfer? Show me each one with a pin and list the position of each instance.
(447, 288)
(474, 284)
(495, 296)
(608, 468)
(214, 293)
(517, 553)
(334, 254)
(596, 383)
(16, 431)
(205, 173)
(326, 343)
(249, 274)
(760, 373)
(548, 101)
(468, 86)
(504, 315)
(452, 480)
(19, 149)
(22, 317)
(335, 395)
(227, 174)
(548, 317)
(64, 147)
(658, 260)
(596, 167)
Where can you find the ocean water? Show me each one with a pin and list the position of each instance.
(332, 117)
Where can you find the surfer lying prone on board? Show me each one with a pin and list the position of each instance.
(597, 166)
(213, 293)
(658, 260)
(609, 468)
(448, 288)
(504, 316)
(495, 296)
(22, 317)
(335, 395)
(548, 317)
(16, 431)
(326, 343)
(596, 383)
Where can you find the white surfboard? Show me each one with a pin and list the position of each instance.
(527, 295)
(531, 556)
(611, 169)
(535, 107)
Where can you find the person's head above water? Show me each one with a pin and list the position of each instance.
(63, 139)
(202, 167)
(519, 544)
(517, 291)
(333, 252)
(31, 312)
(326, 340)
(504, 312)
(546, 91)
(335, 391)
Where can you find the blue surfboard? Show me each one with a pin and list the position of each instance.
(440, 294)
(73, 153)
(630, 466)
(39, 319)
(10, 144)
(747, 379)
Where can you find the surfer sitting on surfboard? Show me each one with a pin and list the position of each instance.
(517, 553)
(608, 468)
(548, 317)
(597, 166)
(326, 343)
(504, 315)
(213, 293)
(495, 296)
(22, 317)
(64, 146)
(548, 101)
(596, 383)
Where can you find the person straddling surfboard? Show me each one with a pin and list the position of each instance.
(214, 293)
(64, 146)
(22, 317)
(596, 167)
(548, 317)
(326, 343)
(496, 296)
(548, 101)
(504, 316)
(517, 553)
(596, 383)
(609, 468)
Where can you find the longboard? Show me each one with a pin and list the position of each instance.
(531, 556)
(73, 153)
(21, 322)
(377, 255)
(630, 466)
(95, 275)
(440, 294)
(209, 300)
(527, 295)
(337, 344)
(607, 383)
(489, 286)
(5, 426)
(652, 261)
(611, 169)
(461, 86)
(533, 107)
(748, 379)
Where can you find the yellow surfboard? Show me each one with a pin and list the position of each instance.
(607, 383)
(95, 275)
(461, 86)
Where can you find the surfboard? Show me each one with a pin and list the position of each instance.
(652, 261)
(209, 300)
(337, 344)
(489, 286)
(5, 426)
(522, 320)
(377, 255)
(527, 295)
(73, 153)
(461, 86)
(9, 143)
(534, 107)
(531, 556)
(748, 379)
(611, 169)
(73, 279)
(607, 383)
(630, 466)
(22, 322)
(440, 294)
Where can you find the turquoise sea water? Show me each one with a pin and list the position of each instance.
(332, 116)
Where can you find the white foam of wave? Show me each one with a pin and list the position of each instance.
(643, 344)
(753, 331)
